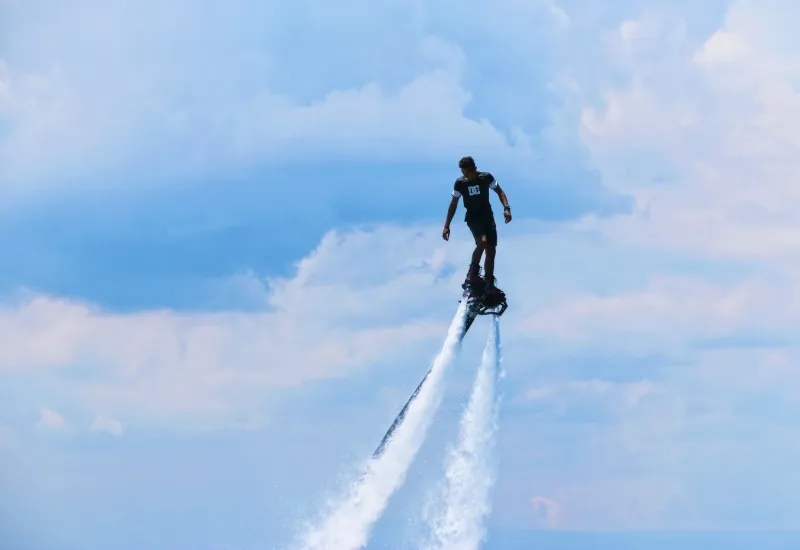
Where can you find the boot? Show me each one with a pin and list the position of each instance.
(490, 286)
(473, 276)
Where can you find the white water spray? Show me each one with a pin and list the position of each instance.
(348, 523)
(458, 521)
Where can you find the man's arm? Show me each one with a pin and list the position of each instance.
(451, 212)
(504, 200)
(501, 194)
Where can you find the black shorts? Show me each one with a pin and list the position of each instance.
(483, 225)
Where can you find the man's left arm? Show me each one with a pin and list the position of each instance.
(503, 199)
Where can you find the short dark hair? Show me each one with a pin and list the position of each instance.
(466, 162)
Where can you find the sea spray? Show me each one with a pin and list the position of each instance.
(349, 520)
(457, 515)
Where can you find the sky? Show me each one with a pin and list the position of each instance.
(223, 270)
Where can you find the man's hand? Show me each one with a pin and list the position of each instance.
(507, 215)
(446, 233)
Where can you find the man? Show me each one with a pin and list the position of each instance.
(473, 187)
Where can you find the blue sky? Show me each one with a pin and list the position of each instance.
(224, 272)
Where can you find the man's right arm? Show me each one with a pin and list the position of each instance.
(451, 211)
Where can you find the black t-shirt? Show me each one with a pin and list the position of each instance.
(475, 194)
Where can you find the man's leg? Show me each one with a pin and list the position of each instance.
(474, 267)
(477, 253)
(480, 246)
(490, 240)
(488, 266)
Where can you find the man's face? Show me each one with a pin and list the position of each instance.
(468, 172)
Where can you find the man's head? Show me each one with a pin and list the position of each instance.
(468, 168)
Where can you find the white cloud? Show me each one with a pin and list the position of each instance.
(671, 308)
(335, 316)
(703, 131)
(338, 314)
(49, 419)
(109, 425)
(706, 138)
(63, 117)
(424, 119)
(722, 47)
